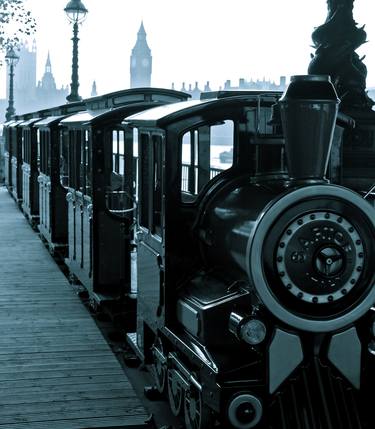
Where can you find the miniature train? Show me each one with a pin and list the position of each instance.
(249, 285)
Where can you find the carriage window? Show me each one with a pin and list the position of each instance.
(38, 148)
(144, 157)
(88, 160)
(206, 152)
(23, 146)
(151, 170)
(64, 158)
(118, 151)
(157, 183)
(119, 197)
(135, 162)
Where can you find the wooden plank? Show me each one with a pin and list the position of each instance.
(70, 414)
(76, 372)
(52, 382)
(72, 396)
(124, 422)
(61, 406)
(64, 388)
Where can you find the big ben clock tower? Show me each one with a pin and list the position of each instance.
(140, 61)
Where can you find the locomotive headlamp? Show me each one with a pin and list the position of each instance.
(252, 331)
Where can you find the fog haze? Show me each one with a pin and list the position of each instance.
(190, 40)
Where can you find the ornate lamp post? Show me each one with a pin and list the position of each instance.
(76, 12)
(11, 59)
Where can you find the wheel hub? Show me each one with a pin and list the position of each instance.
(320, 257)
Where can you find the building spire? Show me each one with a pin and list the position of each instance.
(48, 67)
(140, 61)
(141, 31)
(94, 92)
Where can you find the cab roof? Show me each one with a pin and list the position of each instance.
(82, 117)
(29, 122)
(49, 121)
(165, 115)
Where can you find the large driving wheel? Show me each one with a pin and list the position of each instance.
(197, 414)
(159, 367)
(175, 392)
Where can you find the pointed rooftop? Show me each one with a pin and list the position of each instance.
(141, 47)
(48, 62)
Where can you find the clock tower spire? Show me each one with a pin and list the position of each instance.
(140, 61)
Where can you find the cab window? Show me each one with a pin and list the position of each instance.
(205, 152)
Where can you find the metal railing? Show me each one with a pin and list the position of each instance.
(185, 176)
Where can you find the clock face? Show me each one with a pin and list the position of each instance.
(145, 62)
(134, 62)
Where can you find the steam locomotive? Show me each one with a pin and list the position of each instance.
(254, 278)
(255, 286)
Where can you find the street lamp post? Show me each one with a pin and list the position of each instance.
(76, 12)
(11, 59)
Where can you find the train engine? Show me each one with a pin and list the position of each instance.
(274, 328)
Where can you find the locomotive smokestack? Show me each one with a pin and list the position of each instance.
(309, 109)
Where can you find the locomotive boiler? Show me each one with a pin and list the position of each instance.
(256, 285)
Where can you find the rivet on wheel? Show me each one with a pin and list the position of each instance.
(330, 298)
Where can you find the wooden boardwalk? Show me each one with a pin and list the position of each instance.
(56, 369)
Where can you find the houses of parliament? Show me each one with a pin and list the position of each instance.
(31, 95)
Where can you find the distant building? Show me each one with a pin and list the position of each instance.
(24, 78)
(140, 61)
(261, 85)
(29, 96)
(94, 91)
(47, 95)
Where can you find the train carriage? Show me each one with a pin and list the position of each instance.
(7, 154)
(255, 285)
(30, 191)
(100, 190)
(51, 206)
(13, 137)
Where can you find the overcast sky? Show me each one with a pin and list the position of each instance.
(191, 40)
